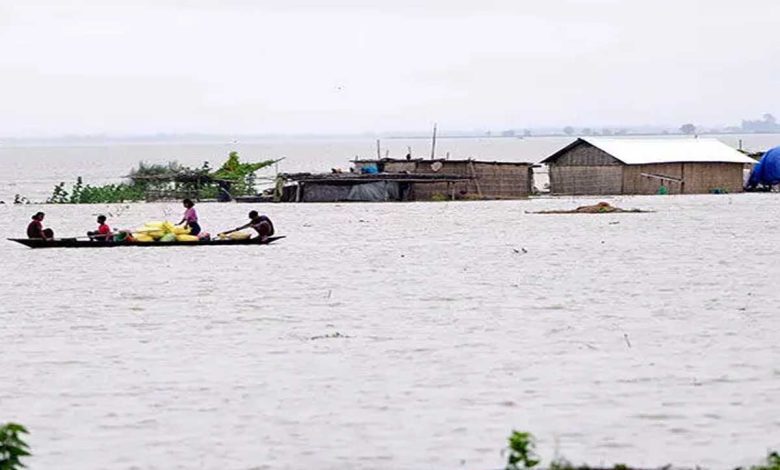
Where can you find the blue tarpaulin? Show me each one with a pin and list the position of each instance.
(767, 170)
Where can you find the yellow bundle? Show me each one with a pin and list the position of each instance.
(180, 230)
(154, 230)
(186, 238)
(158, 230)
(142, 237)
(239, 236)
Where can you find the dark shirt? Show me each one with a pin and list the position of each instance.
(263, 226)
(35, 229)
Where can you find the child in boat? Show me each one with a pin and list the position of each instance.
(103, 232)
(190, 217)
(261, 223)
(35, 228)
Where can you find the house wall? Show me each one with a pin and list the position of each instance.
(587, 170)
(586, 180)
(698, 178)
(493, 180)
(635, 183)
(705, 177)
(400, 166)
(585, 154)
(316, 192)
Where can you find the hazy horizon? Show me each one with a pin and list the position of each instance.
(348, 68)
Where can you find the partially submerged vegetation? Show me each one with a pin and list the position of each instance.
(600, 208)
(12, 446)
(166, 181)
(521, 455)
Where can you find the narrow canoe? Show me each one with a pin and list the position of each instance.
(74, 243)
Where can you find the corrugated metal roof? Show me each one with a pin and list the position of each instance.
(663, 150)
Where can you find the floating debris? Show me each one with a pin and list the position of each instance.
(330, 335)
(600, 208)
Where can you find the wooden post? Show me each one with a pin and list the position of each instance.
(298, 191)
(378, 150)
(476, 180)
(433, 143)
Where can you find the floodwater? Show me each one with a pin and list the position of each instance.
(398, 336)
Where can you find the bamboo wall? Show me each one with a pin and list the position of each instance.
(706, 177)
(586, 180)
(493, 180)
(587, 170)
(635, 183)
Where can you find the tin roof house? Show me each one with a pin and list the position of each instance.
(603, 166)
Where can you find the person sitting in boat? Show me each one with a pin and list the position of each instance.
(103, 232)
(190, 217)
(35, 228)
(260, 223)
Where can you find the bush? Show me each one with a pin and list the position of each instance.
(521, 451)
(12, 447)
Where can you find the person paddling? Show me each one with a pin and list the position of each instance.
(35, 228)
(103, 232)
(261, 223)
(190, 217)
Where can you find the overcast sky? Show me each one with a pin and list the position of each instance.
(290, 66)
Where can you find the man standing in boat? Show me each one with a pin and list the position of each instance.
(260, 223)
(35, 228)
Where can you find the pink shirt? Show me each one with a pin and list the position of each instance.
(190, 215)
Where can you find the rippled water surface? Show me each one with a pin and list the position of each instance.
(400, 336)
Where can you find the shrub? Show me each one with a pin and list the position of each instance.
(12, 447)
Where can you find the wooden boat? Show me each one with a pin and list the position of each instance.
(76, 243)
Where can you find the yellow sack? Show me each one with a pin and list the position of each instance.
(186, 238)
(239, 236)
(168, 227)
(181, 230)
(142, 237)
(157, 234)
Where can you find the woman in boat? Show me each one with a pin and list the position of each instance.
(190, 217)
(103, 233)
(260, 223)
(35, 228)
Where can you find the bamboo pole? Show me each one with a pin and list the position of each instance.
(433, 142)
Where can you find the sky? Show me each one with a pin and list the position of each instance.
(298, 66)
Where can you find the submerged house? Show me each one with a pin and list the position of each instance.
(390, 179)
(600, 166)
